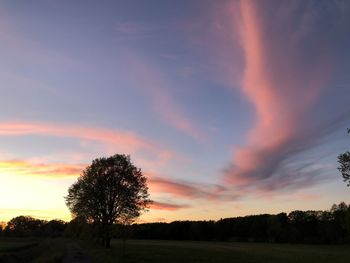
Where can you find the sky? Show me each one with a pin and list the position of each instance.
(230, 108)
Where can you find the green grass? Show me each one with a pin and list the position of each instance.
(18, 250)
(216, 252)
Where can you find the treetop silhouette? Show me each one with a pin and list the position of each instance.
(110, 190)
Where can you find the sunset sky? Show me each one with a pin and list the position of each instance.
(229, 107)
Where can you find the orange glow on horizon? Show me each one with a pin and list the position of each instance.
(22, 167)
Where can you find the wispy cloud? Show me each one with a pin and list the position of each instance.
(165, 185)
(289, 63)
(24, 167)
(188, 190)
(150, 154)
(162, 101)
(120, 140)
(167, 206)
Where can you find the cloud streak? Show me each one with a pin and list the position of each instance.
(189, 190)
(289, 63)
(120, 140)
(162, 102)
(166, 206)
(56, 170)
(148, 153)
(165, 185)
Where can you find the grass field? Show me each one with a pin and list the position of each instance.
(18, 250)
(14, 245)
(142, 251)
(216, 252)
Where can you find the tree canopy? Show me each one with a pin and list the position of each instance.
(344, 167)
(110, 190)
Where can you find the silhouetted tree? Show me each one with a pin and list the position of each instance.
(341, 219)
(23, 226)
(109, 190)
(344, 168)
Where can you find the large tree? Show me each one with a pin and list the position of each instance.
(344, 167)
(108, 191)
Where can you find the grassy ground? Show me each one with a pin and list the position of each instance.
(52, 250)
(18, 250)
(185, 251)
(15, 245)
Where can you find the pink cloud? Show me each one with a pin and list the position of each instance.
(166, 206)
(172, 115)
(188, 190)
(121, 141)
(24, 167)
(149, 155)
(285, 82)
(160, 184)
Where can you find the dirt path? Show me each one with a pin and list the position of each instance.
(75, 254)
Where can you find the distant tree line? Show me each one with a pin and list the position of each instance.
(27, 226)
(326, 227)
(323, 227)
(317, 227)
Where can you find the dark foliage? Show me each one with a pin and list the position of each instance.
(78, 228)
(344, 165)
(318, 227)
(109, 191)
(26, 226)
